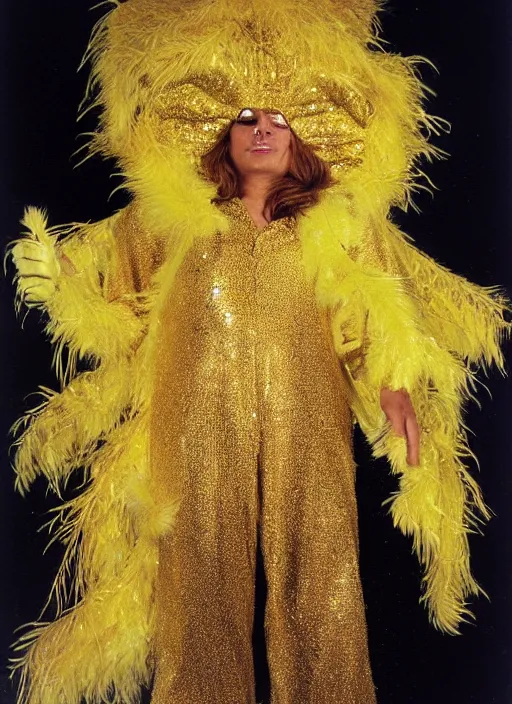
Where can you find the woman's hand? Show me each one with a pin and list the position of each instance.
(400, 413)
(38, 269)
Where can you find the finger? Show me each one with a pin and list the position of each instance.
(27, 282)
(30, 267)
(30, 250)
(37, 290)
(27, 256)
(396, 417)
(37, 296)
(413, 440)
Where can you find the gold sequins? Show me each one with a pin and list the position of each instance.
(251, 426)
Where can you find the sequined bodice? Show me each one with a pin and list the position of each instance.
(242, 315)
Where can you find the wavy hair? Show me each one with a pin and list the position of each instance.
(290, 195)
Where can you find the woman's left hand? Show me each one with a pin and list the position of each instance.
(400, 413)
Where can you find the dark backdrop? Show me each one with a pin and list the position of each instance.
(466, 226)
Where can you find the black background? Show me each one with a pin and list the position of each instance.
(466, 226)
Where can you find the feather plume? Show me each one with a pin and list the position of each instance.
(98, 647)
(60, 433)
(81, 323)
(172, 197)
(98, 651)
(465, 318)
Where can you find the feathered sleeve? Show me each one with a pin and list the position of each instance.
(425, 330)
(401, 321)
(86, 320)
(134, 256)
(100, 639)
(96, 312)
(465, 318)
(99, 647)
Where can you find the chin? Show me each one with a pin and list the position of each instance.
(266, 166)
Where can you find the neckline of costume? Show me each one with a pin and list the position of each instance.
(240, 209)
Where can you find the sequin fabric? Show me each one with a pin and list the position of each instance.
(250, 426)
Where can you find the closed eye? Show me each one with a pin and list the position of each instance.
(248, 116)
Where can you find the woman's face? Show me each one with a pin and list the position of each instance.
(260, 143)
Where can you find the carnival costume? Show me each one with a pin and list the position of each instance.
(227, 365)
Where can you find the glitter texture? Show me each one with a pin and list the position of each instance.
(255, 434)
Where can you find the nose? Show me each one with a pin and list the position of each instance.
(264, 126)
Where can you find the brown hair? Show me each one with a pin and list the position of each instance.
(292, 194)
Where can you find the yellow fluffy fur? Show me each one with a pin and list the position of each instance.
(398, 319)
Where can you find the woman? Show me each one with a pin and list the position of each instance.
(219, 410)
(264, 443)
(262, 439)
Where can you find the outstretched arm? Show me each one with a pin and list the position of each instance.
(89, 283)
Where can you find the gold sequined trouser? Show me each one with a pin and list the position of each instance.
(261, 441)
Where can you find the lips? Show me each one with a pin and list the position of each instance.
(261, 149)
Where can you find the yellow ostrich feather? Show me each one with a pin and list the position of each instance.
(98, 647)
(61, 432)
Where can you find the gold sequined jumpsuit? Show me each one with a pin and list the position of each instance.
(250, 425)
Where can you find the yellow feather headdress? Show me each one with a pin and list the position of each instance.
(176, 73)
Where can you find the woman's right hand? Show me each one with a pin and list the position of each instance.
(38, 269)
